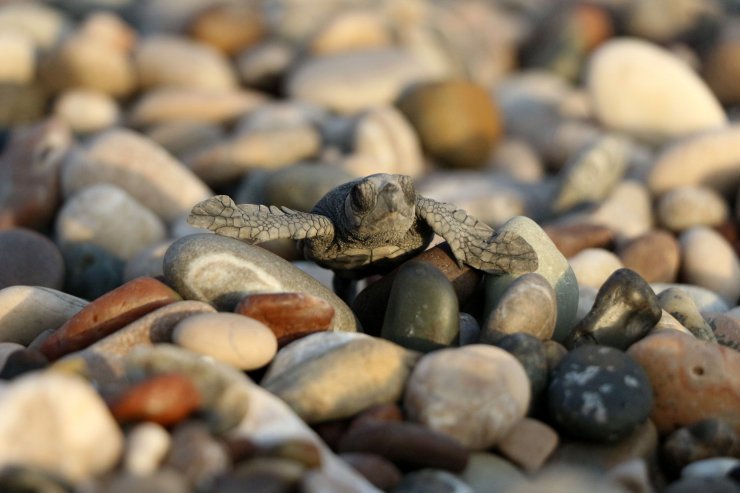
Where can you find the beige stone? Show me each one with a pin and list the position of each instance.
(593, 266)
(709, 261)
(529, 444)
(684, 207)
(86, 111)
(18, 56)
(351, 30)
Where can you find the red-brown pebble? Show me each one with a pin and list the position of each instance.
(573, 238)
(654, 255)
(407, 445)
(164, 399)
(692, 379)
(290, 316)
(107, 314)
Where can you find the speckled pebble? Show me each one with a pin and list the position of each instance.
(676, 302)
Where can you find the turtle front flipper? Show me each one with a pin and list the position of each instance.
(257, 223)
(474, 243)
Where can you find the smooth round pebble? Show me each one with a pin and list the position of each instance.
(487, 471)
(705, 300)
(593, 266)
(599, 393)
(163, 399)
(572, 238)
(682, 208)
(642, 89)
(29, 258)
(721, 274)
(691, 379)
(474, 394)
(528, 305)
(236, 340)
(86, 111)
(654, 255)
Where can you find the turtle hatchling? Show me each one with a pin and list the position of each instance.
(369, 226)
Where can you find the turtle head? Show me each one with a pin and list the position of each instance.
(381, 204)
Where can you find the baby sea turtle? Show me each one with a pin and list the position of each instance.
(369, 226)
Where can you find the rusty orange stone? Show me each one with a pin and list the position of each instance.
(107, 314)
(290, 316)
(164, 399)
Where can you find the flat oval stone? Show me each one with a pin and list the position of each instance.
(552, 266)
(684, 207)
(691, 379)
(90, 442)
(86, 111)
(221, 270)
(229, 28)
(422, 310)
(109, 217)
(721, 274)
(351, 30)
(708, 159)
(29, 173)
(628, 210)
(233, 339)
(593, 266)
(705, 300)
(599, 393)
(107, 314)
(654, 255)
(528, 305)
(406, 444)
(572, 238)
(625, 310)
(680, 305)
(374, 372)
(147, 444)
(27, 311)
(474, 394)
(29, 258)
(657, 80)
(289, 316)
(163, 399)
(140, 167)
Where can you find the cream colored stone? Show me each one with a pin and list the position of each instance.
(18, 56)
(641, 89)
(593, 266)
(685, 207)
(709, 261)
(59, 424)
(351, 30)
(627, 211)
(27, 311)
(86, 111)
(146, 446)
(475, 394)
(43, 24)
(233, 339)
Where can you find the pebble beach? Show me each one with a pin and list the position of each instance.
(141, 354)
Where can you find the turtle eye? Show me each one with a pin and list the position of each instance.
(362, 196)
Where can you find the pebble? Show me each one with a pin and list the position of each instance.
(627, 211)
(529, 444)
(569, 480)
(380, 472)
(352, 30)
(470, 330)
(516, 159)
(625, 310)
(165, 60)
(701, 440)
(474, 394)
(431, 480)
(228, 28)
(591, 174)
(573, 238)
(221, 270)
(29, 258)
(234, 339)
(147, 262)
(669, 322)
(86, 111)
(530, 352)
(655, 256)
(491, 473)
(552, 266)
(29, 173)
(657, 80)
(27, 311)
(348, 83)
(422, 312)
(17, 50)
(676, 302)
(140, 167)
(705, 300)
(91, 271)
(599, 393)
(163, 399)
(42, 23)
(593, 266)
(685, 207)
(691, 379)
(726, 329)
(110, 218)
(263, 65)
(528, 305)
(8, 348)
(196, 454)
(721, 67)
(408, 445)
(162, 481)
(289, 316)
(89, 443)
(21, 362)
(264, 475)
(708, 159)
(375, 373)
(708, 485)
(186, 104)
(722, 274)
(107, 314)
(457, 121)
(715, 467)
(147, 445)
